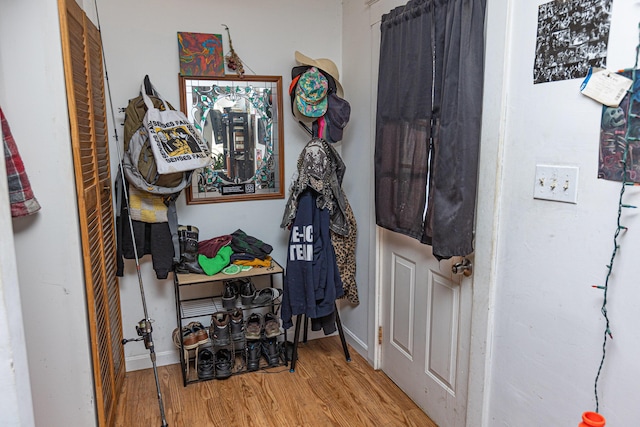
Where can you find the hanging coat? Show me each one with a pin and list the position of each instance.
(312, 282)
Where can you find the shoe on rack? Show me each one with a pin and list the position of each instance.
(230, 294)
(224, 363)
(254, 349)
(247, 292)
(236, 326)
(188, 241)
(219, 329)
(205, 363)
(189, 341)
(266, 296)
(253, 327)
(271, 325)
(199, 332)
(270, 351)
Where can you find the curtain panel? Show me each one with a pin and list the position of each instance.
(428, 122)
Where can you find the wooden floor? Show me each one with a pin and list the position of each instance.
(324, 390)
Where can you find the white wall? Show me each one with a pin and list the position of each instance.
(488, 225)
(16, 406)
(548, 336)
(47, 246)
(358, 153)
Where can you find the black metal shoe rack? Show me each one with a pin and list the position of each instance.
(199, 296)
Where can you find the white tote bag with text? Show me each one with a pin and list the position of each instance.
(176, 144)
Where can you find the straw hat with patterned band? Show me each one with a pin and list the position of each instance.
(324, 64)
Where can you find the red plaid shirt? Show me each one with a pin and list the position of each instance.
(21, 197)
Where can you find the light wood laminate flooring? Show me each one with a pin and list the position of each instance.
(324, 390)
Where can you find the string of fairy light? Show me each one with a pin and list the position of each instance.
(621, 206)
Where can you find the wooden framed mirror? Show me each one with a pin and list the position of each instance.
(241, 120)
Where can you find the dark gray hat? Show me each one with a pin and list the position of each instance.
(337, 116)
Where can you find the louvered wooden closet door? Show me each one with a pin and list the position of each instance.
(87, 116)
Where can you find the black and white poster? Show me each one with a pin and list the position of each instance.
(572, 37)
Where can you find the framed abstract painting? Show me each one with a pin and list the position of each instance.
(200, 54)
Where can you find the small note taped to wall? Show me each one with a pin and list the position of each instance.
(605, 86)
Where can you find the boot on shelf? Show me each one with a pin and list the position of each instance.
(188, 238)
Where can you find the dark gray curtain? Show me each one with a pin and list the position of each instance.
(428, 122)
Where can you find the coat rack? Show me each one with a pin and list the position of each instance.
(314, 131)
(296, 337)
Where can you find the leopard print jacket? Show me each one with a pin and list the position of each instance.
(345, 249)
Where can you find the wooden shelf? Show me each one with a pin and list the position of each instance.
(190, 278)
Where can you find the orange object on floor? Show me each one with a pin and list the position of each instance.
(592, 419)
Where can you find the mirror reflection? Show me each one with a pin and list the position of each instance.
(241, 120)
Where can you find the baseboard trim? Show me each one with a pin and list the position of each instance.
(355, 342)
(143, 361)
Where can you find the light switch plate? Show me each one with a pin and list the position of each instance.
(556, 183)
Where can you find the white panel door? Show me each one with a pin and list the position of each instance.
(425, 311)
(426, 321)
